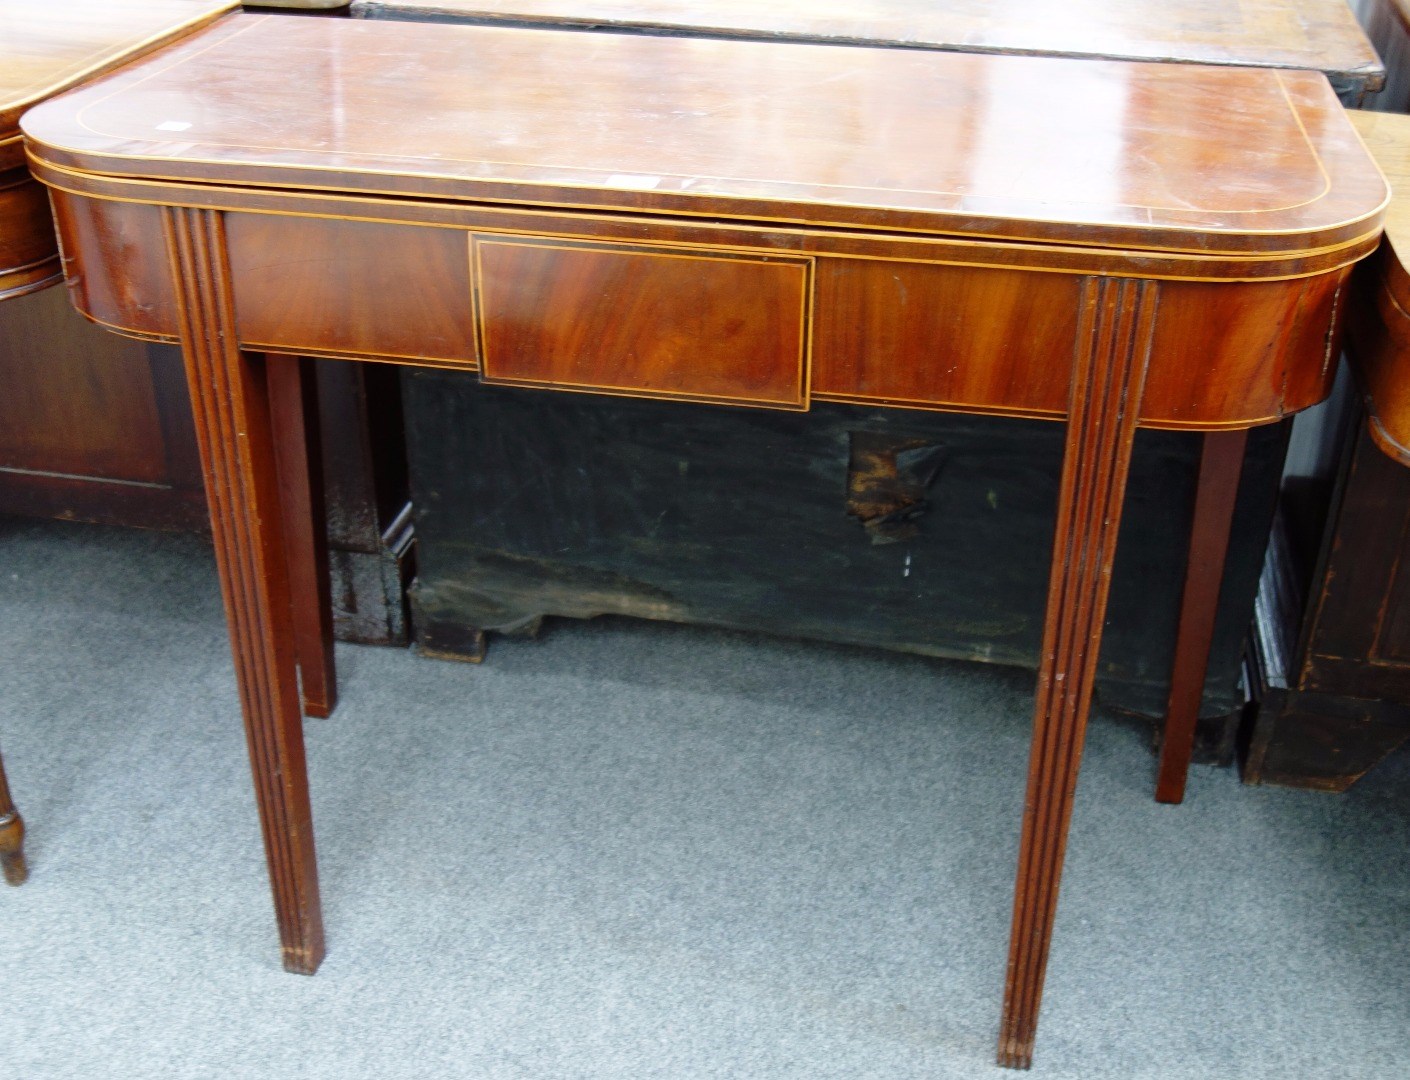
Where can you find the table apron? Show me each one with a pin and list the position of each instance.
(745, 320)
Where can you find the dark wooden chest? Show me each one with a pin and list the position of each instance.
(918, 531)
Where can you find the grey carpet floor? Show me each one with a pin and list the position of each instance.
(632, 850)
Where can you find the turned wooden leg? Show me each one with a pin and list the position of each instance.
(11, 836)
(293, 400)
(1220, 464)
(1117, 320)
(229, 396)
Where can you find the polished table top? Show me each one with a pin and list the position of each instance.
(1317, 34)
(677, 126)
(715, 221)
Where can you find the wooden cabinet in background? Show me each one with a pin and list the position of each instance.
(1332, 656)
(1333, 635)
(1330, 665)
(93, 427)
(98, 428)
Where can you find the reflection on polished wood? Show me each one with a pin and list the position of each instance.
(1125, 253)
(1165, 166)
(1317, 34)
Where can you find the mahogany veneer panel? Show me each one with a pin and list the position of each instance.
(944, 334)
(1317, 34)
(1266, 351)
(345, 285)
(940, 334)
(643, 320)
(93, 236)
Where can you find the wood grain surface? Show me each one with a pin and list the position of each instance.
(1216, 498)
(1317, 34)
(1027, 148)
(28, 258)
(101, 417)
(894, 331)
(93, 427)
(645, 320)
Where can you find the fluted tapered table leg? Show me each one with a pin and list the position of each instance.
(11, 836)
(1117, 320)
(233, 426)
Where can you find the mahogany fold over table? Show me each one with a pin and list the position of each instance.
(713, 221)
